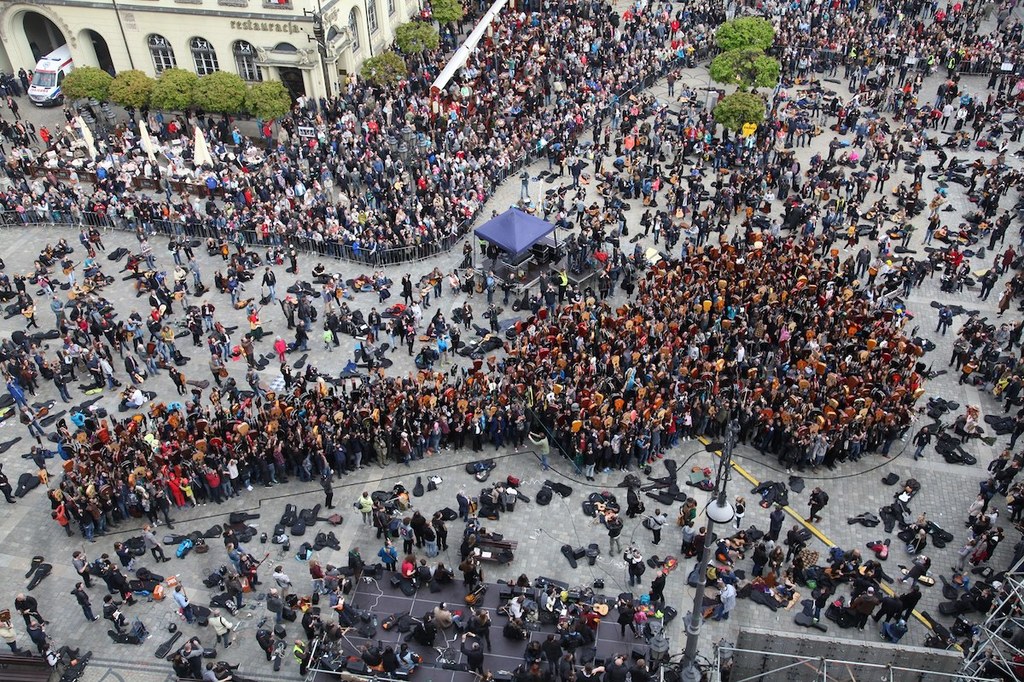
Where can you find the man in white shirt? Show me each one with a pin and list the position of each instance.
(727, 595)
(284, 583)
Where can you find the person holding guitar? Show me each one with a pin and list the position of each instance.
(68, 266)
(614, 525)
(28, 309)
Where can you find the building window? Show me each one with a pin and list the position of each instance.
(163, 53)
(391, 7)
(353, 28)
(371, 15)
(245, 62)
(277, 4)
(205, 56)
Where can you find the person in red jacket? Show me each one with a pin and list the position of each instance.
(213, 480)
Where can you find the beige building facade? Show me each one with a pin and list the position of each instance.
(257, 39)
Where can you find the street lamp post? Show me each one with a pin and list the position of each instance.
(407, 149)
(320, 38)
(120, 26)
(721, 512)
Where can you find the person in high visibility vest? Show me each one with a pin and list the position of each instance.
(299, 651)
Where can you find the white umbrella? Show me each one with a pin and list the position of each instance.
(90, 143)
(201, 154)
(146, 141)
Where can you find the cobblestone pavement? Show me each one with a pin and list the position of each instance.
(26, 529)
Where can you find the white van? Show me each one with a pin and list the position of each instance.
(48, 75)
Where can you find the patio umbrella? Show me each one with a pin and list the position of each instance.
(87, 137)
(201, 153)
(146, 141)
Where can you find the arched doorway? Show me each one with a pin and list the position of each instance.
(100, 49)
(42, 35)
(293, 80)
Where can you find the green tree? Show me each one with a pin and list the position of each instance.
(446, 11)
(268, 100)
(173, 90)
(745, 32)
(131, 89)
(745, 68)
(385, 68)
(87, 82)
(221, 92)
(738, 108)
(416, 36)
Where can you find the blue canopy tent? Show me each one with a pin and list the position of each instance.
(514, 231)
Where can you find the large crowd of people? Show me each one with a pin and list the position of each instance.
(348, 190)
(793, 325)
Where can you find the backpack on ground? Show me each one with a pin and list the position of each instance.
(183, 548)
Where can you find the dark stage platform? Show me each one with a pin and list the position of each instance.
(379, 597)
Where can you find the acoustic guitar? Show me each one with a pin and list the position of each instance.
(476, 595)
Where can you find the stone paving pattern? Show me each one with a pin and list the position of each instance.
(26, 529)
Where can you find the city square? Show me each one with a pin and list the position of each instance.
(240, 353)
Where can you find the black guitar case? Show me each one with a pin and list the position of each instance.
(223, 601)
(123, 637)
(417, 490)
(570, 555)
(560, 488)
(806, 621)
(290, 515)
(26, 483)
(309, 516)
(165, 648)
(142, 586)
(662, 498)
(449, 514)
(202, 615)
(480, 465)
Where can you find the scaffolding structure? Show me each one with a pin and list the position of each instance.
(999, 641)
(783, 666)
(765, 656)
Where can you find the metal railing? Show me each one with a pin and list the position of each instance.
(202, 229)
